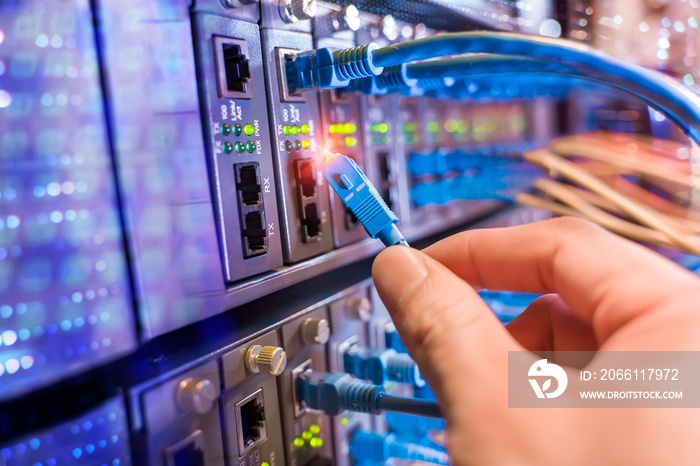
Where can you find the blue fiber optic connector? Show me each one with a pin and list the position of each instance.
(330, 69)
(333, 393)
(363, 200)
(382, 365)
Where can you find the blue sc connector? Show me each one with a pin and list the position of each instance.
(370, 446)
(333, 393)
(382, 365)
(363, 200)
(331, 69)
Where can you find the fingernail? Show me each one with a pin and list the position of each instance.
(396, 271)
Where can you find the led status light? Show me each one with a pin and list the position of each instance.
(226, 129)
(305, 144)
(316, 442)
(379, 128)
(237, 130)
(305, 129)
(287, 130)
(240, 147)
(342, 128)
(249, 129)
(228, 147)
(251, 146)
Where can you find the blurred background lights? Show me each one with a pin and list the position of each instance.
(5, 99)
(41, 41)
(550, 28)
(9, 337)
(12, 365)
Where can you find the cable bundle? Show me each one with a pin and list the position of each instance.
(595, 171)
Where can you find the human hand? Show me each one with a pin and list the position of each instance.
(611, 294)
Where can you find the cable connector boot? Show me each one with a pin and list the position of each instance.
(331, 69)
(382, 365)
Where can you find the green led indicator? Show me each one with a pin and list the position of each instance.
(249, 129)
(306, 435)
(316, 442)
(298, 442)
(432, 126)
(451, 125)
(305, 129)
(287, 130)
(240, 147)
(314, 429)
(349, 128)
(288, 145)
(409, 127)
(228, 147)
(379, 127)
(264, 463)
(251, 146)
(344, 421)
(305, 144)
(297, 145)
(225, 129)
(380, 140)
(237, 130)
(296, 129)
(350, 141)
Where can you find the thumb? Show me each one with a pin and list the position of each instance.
(451, 333)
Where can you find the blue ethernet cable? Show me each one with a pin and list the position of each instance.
(334, 393)
(337, 69)
(674, 100)
(330, 69)
(363, 200)
(382, 365)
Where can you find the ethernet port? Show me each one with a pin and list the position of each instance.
(251, 428)
(232, 68)
(187, 452)
(282, 56)
(253, 234)
(248, 183)
(305, 174)
(310, 223)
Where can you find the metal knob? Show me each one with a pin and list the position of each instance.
(267, 359)
(348, 18)
(298, 10)
(315, 331)
(197, 396)
(360, 308)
